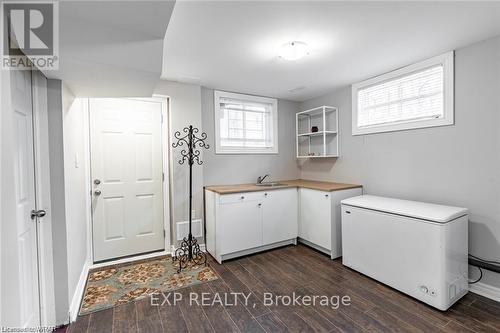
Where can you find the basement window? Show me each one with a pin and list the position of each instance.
(416, 96)
(245, 124)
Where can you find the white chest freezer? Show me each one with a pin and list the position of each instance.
(418, 248)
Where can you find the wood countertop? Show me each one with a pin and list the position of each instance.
(320, 186)
(298, 183)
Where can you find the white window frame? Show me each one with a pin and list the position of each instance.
(447, 60)
(245, 150)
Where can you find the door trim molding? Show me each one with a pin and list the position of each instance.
(166, 158)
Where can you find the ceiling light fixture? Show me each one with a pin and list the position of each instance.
(293, 50)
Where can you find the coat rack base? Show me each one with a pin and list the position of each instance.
(189, 253)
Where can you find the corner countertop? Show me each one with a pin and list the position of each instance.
(297, 183)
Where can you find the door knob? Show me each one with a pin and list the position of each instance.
(97, 181)
(37, 213)
(97, 192)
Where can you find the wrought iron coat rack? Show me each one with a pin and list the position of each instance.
(189, 251)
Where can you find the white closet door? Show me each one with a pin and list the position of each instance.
(24, 194)
(126, 162)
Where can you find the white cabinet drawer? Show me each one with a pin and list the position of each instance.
(240, 197)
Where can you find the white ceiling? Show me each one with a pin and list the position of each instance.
(111, 48)
(233, 45)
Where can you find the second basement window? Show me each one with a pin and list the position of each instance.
(245, 124)
(416, 96)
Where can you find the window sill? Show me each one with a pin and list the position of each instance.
(403, 126)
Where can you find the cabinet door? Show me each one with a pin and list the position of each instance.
(279, 221)
(315, 217)
(240, 226)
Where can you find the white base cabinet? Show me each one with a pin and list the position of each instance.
(243, 223)
(320, 219)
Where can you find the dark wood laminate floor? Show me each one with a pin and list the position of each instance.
(374, 307)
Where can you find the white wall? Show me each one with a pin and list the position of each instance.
(237, 169)
(455, 165)
(70, 212)
(57, 196)
(185, 110)
(76, 170)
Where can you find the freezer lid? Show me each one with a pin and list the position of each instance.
(415, 209)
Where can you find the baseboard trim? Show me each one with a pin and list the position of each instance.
(485, 290)
(74, 307)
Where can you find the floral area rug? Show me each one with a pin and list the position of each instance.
(116, 285)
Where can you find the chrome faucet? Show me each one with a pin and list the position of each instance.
(260, 179)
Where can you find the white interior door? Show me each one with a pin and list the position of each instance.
(127, 177)
(24, 193)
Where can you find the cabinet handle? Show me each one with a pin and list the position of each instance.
(259, 205)
(265, 194)
(242, 197)
(326, 195)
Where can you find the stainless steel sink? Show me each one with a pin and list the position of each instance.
(269, 184)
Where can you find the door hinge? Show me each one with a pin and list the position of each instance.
(164, 233)
(163, 176)
(162, 118)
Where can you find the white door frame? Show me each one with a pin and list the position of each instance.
(165, 134)
(43, 200)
